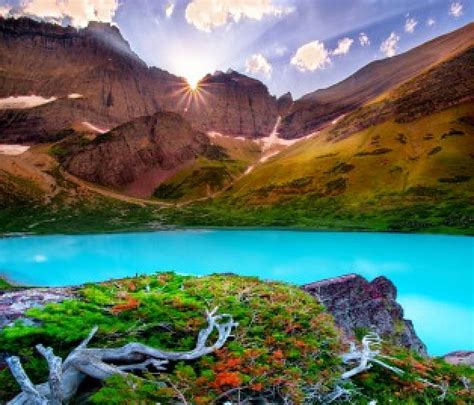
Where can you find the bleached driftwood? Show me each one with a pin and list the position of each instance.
(366, 356)
(66, 377)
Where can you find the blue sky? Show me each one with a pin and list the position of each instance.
(288, 44)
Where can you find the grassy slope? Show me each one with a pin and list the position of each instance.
(421, 180)
(205, 176)
(285, 343)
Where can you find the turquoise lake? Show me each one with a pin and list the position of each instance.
(434, 274)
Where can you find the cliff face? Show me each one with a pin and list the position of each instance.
(92, 73)
(95, 77)
(357, 303)
(232, 104)
(163, 141)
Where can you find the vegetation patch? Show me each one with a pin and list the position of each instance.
(435, 150)
(376, 152)
(452, 132)
(341, 168)
(216, 152)
(455, 179)
(336, 187)
(285, 349)
(401, 138)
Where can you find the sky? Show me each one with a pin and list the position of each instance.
(290, 45)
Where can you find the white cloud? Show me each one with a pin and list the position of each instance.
(77, 12)
(39, 258)
(258, 64)
(430, 22)
(364, 39)
(4, 10)
(169, 10)
(311, 56)
(206, 15)
(410, 25)
(343, 46)
(456, 9)
(390, 45)
(280, 50)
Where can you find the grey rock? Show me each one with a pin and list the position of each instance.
(358, 304)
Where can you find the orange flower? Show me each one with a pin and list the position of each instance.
(256, 387)
(131, 303)
(227, 379)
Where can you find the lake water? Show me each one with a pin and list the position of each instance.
(434, 274)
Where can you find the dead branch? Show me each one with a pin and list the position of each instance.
(100, 363)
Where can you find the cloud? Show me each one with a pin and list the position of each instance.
(258, 64)
(169, 10)
(206, 15)
(280, 50)
(410, 25)
(390, 45)
(343, 46)
(430, 22)
(39, 258)
(456, 9)
(364, 39)
(75, 12)
(311, 56)
(4, 11)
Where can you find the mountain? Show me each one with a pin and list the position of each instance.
(92, 76)
(232, 104)
(161, 142)
(403, 161)
(316, 110)
(138, 156)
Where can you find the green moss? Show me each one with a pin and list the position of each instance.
(284, 345)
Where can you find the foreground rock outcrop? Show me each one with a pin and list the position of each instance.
(360, 305)
(14, 304)
(460, 357)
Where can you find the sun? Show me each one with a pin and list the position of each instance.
(193, 83)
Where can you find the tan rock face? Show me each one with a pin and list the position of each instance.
(233, 104)
(119, 157)
(111, 85)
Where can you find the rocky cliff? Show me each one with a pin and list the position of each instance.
(161, 142)
(92, 75)
(359, 305)
(232, 104)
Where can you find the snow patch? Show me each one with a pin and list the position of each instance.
(13, 150)
(24, 102)
(214, 134)
(75, 95)
(336, 120)
(88, 125)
